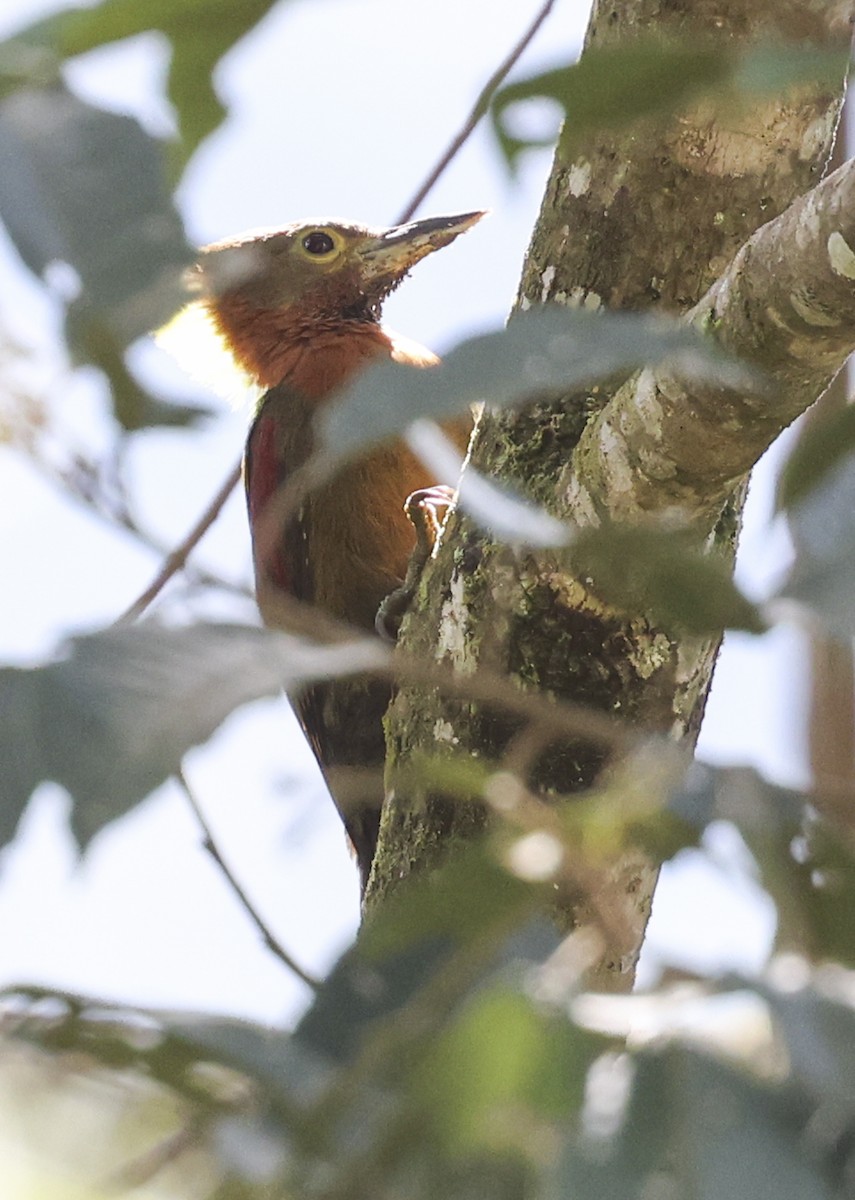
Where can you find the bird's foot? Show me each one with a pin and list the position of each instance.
(423, 509)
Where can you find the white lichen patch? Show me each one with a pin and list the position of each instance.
(615, 461)
(648, 404)
(546, 279)
(443, 731)
(815, 137)
(808, 228)
(776, 318)
(453, 616)
(811, 312)
(649, 653)
(578, 502)
(578, 297)
(525, 304)
(579, 178)
(841, 255)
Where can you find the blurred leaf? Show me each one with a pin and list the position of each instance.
(200, 32)
(819, 1034)
(543, 353)
(805, 864)
(470, 902)
(113, 720)
(503, 1073)
(662, 573)
(697, 1127)
(134, 407)
(822, 523)
(737, 794)
(86, 188)
(822, 897)
(613, 86)
(820, 447)
(468, 895)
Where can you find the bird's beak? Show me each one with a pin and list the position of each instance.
(390, 253)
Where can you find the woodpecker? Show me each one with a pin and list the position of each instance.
(299, 309)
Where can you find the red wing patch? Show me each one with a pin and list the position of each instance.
(270, 454)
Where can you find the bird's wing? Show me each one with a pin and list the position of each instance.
(342, 719)
(278, 442)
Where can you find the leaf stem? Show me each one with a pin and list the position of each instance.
(269, 938)
(177, 558)
(478, 110)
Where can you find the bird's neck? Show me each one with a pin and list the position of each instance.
(314, 356)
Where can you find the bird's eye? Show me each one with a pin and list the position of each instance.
(318, 243)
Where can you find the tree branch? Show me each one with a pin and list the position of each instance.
(785, 304)
(632, 218)
(269, 938)
(479, 108)
(177, 558)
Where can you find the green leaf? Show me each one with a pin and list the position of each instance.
(822, 445)
(134, 406)
(662, 574)
(697, 1127)
(87, 188)
(113, 720)
(613, 86)
(543, 353)
(823, 527)
(504, 1074)
(805, 864)
(610, 87)
(470, 904)
(819, 1034)
(200, 31)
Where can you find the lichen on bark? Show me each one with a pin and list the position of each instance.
(646, 218)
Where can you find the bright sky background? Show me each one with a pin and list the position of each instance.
(338, 108)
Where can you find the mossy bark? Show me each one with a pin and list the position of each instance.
(646, 218)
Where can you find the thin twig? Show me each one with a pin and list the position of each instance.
(175, 561)
(479, 108)
(267, 935)
(119, 516)
(141, 1170)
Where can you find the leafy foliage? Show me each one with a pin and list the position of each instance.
(660, 572)
(448, 1052)
(820, 450)
(88, 189)
(613, 86)
(543, 353)
(200, 32)
(113, 719)
(447, 1048)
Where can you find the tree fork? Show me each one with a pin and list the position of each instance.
(650, 217)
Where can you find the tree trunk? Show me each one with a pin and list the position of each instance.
(652, 216)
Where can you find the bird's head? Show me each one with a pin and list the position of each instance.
(270, 289)
(321, 269)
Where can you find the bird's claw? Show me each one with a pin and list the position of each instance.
(423, 509)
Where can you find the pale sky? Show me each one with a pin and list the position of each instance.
(338, 108)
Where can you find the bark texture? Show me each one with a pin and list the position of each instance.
(658, 215)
